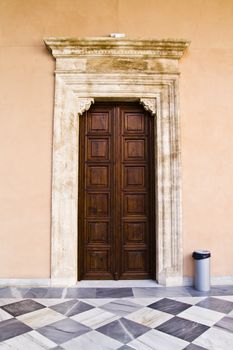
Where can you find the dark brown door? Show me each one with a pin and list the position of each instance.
(116, 193)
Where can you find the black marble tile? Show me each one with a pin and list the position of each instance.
(170, 306)
(183, 329)
(225, 323)
(12, 328)
(81, 293)
(64, 330)
(43, 293)
(123, 330)
(194, 347)
(22, 307)
(114, 292)
(216, 304)
(72, 307)
(6, 292)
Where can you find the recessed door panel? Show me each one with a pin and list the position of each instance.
(98, 232)
(116, 207)
(97, 176)
(135, 149)
(134, 177)
(97, 149)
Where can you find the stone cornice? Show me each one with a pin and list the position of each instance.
(105, 46)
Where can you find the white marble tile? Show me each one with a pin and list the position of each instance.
(202, 315)
(40, 318)
(144, 301)
(28, 341)
(95, 318)
(215, 339)
(188, 300)
(4, 315)
(158, 341)
(149, 317)
(98, 302)
(8, 301)
(117, 284)
(50, 301)
(92, 341)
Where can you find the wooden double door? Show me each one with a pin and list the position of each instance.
(116, 193)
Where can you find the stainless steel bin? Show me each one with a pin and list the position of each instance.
(202, 270)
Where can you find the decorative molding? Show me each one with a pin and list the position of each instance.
(149, 104)
(83, 104)
(106, 46)
(111, 69)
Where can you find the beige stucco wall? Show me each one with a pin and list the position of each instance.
(26, 111)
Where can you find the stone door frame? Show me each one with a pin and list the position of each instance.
(103, 69)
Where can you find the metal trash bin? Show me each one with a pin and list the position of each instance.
(202, 270)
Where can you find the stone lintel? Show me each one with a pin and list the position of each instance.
(106, 46)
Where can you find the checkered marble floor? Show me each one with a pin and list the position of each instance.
(116, 318)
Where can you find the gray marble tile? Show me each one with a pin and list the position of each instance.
(196, 293)
(121, 307)
(194, 347)
(72, 307)
(225, 323)
(214, 291)
(170, 306)
(114, 292)
(12, 328)
(160, 292)
(22, 307)
(57, 348)
(83, 293)
(6, 292)
(183, 329)
(221, 290)
(64, 330)
(123, 330)
(43, 293)
(216, 305)
(19, 292)
(125, 347)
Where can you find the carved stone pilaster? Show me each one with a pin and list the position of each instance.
(84, 104)
(149, 105)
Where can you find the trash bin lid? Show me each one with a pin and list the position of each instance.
(201, 254)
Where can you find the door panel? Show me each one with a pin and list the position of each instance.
(116, 210)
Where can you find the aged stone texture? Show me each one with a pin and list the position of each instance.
(116, 69)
